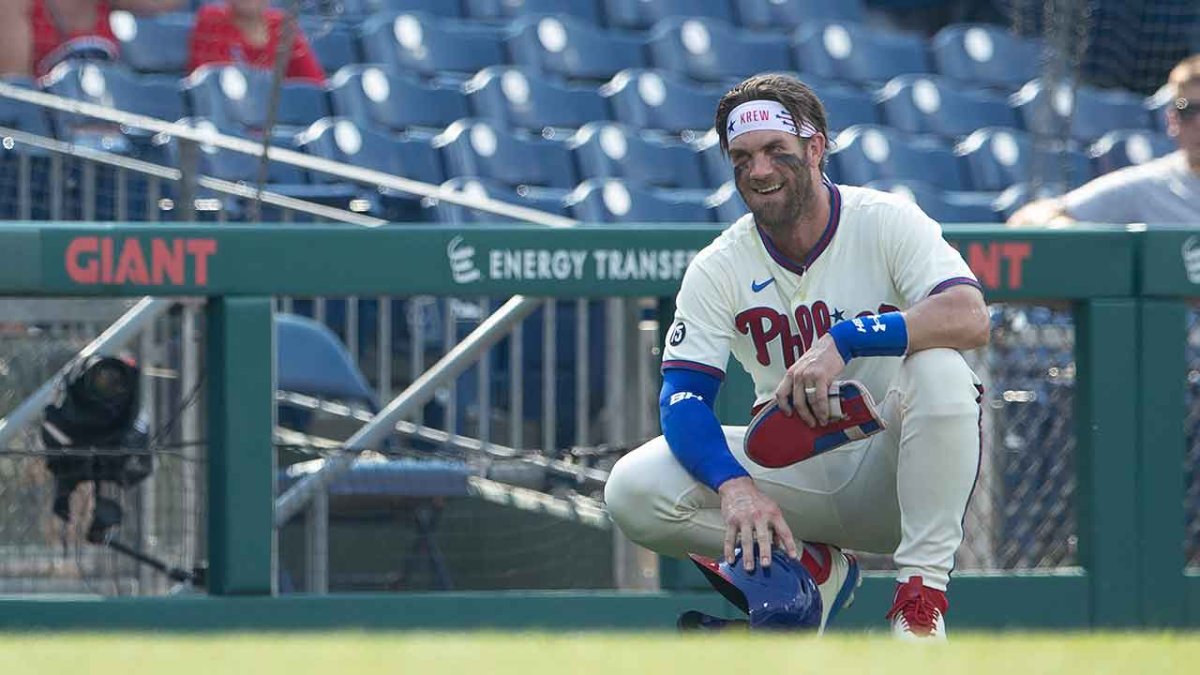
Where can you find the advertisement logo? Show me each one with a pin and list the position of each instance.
(462, 261)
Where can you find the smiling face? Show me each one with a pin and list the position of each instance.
(776, 174)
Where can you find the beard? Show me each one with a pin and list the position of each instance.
(779, 213)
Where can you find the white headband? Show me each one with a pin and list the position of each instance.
(765, 115)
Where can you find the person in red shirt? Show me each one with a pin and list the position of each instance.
(248, 32)
(36, 34)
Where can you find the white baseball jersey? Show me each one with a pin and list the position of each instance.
(878, 253)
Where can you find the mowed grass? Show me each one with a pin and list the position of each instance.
(585, 653)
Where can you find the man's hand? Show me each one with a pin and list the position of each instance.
(751, 516)
(807, 383)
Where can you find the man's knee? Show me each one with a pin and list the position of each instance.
(628, 493)
(941, 380)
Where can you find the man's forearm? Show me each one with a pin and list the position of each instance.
(956, 318)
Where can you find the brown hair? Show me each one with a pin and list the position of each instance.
(1185, 72)
(793, 94)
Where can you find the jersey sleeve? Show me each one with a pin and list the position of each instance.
(700, 336)
(1108, 199)
(921, 261)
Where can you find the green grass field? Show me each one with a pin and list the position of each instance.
(600, 653)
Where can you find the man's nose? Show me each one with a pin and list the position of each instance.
(759, 166)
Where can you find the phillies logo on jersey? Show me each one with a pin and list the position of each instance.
(766, 326)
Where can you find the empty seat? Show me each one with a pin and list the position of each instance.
(1157, 104)
(649, 99)
(334, 45)
(1118, 149)
(113, 85)
(927, 104)
(942, 206)
(986, 55)
(713, 162)
(516, 98)
(845, 105)
(996, 158)
(481, 188)
(430, 46)
(608, 150)
(1080, 113)
(858, 53)
(639, 14)
(726, 204)
(376, 97)
(715, 51)
(27, 117)
(615, 201)
(481, 148)
(788, 14)
(572, 48)
(153, 43)
(361, 8)
(865, 153)
(238, 99)
(502, 10)
(341, 140)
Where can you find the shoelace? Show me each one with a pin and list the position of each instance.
(919, 614)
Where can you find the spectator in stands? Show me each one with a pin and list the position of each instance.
(35, 35)
(1165, 190)
(248, 32)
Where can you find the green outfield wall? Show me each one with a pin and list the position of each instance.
(1129, 290)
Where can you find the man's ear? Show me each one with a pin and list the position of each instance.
(815, 150)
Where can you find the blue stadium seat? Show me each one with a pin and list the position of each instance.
(656, 99)
(362, 8)
(608, 150)
(615, 201)
(789, 14)
(310, 359)
(996, 158)
(944, 207)
(1019, 194)
(503, 10)
(1118, 149)
(27, 117)
(455, 214)
(376, 97)
(717, 169)
(334, 44)
(1080, 113)
(986, 56)
(111, 84)
(858, 53)
(865, 153)
(640, 14)
(1157, 104)
(237, 99)
(519, 99)
(928, 104)
(726, 204)
(342, 140)
(153, 43)
(845, 105)
(572, 48)
(482, 148)
(714, 51)
(431, 47)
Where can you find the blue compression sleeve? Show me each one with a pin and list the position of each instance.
(691, 427)
(882, 335)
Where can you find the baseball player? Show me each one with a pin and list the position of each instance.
(818, 283)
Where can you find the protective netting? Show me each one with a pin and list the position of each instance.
(1191, 467)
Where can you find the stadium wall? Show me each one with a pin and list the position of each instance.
(1129, 288)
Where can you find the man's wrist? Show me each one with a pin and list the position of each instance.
(735, 484)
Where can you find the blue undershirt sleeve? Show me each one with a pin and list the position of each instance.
(690, 426)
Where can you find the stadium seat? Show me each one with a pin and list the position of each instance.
(985, 55)
(333, 43)
(845, 105)
(1118, 149)
(572, 48)
(608, 150)
(944, 207)
(715, 165)
(342, 140)
(655, 99)
(1080, 113)
(615, 201)
(376, 97)
(456, 214)
(641, 14)
(481, 148)
(714, 51)
(726, 204)
(503, 10)
(789, 14)
(519, 99)
(27, 117)
(865, 153)
(858, 53)
(1019, 194)
(362, 8)
(430, 47)
(237, 99)
(1157, 105)
(928, 104)
(996, 158)
(311, 360)
(153, 43)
